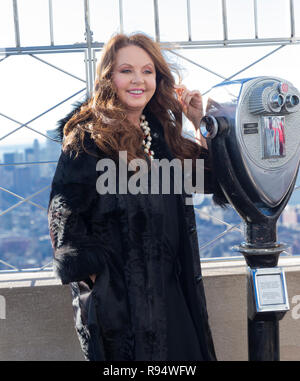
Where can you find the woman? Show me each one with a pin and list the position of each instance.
(132, 259)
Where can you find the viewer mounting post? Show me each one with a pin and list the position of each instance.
(252, 127)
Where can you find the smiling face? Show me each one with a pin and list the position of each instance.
(134, 77)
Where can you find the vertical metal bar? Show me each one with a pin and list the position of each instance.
(224, 18)
(94, 64)
(255, 18)
(188, 9)
(51, 22)
(156, 20)
(292, 15)
(16, 22)
(89, 58)
(121, 16)
(86, 72)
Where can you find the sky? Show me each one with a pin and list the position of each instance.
(29, 87)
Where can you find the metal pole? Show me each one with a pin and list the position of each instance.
(263, 340)
(156, 20)
(51, 23)
(248, 66)
(255, 62)
(255, 18)
(22, 198)
(87, 83)
(263, 331)
(16, 22)
(206, 44)
(224, 18)
(94, 64)
(4, 58)
(233, 227)
(56, 67)
(89, 38)
(292, 15)
(121, 16)
(188, 9)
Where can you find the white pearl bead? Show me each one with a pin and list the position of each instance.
(146, 130)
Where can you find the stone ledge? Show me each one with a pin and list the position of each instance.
(217, 267)
(238, 266)
(28, 278)
(39, 321)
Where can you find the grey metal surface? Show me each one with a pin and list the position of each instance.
(245, 103)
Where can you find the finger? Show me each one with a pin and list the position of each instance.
(179, 89)
(191, 93)
(184, 95)
(196, 98)
(179, 93)
(195, 94)
(184, 109)
(187, 97)
(181, 86)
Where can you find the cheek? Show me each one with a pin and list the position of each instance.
(119, 83)
(152, 85)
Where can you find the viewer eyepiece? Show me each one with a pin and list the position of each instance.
(208, 127)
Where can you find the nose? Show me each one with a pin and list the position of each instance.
(137, 78)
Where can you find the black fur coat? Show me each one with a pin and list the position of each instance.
(118, 237)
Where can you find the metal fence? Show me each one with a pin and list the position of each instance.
(90, 48)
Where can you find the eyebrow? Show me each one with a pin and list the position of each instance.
(127, 64)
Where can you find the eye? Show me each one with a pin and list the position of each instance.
(125, 71)
(148, 71)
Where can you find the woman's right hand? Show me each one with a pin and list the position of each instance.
(191, 102)
(93, 277)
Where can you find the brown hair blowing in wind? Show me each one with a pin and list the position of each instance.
(105, 118)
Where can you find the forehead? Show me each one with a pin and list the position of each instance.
(134, 56)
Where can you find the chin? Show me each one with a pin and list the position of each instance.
(136, 107)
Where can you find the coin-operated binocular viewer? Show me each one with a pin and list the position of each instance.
(252, 127)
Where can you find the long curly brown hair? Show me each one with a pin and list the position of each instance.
(104, 116)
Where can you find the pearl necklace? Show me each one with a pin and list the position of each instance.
(145, 126)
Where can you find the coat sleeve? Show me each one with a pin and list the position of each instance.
(77, 252)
